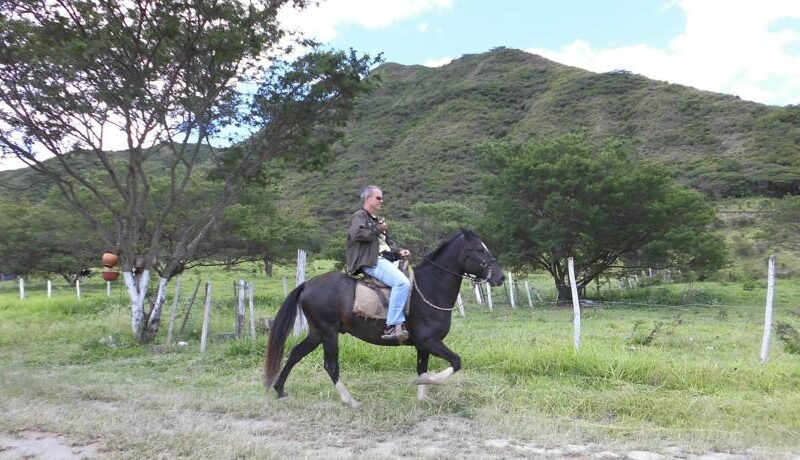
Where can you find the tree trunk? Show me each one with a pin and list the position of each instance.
(565, 292)
(137, 288)
(154, 317)
(269, 265)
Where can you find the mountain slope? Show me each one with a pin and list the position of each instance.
(416, 135)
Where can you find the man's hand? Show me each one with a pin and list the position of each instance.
(382, 226)
(404, 253)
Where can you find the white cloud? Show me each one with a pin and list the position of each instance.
(321, 21)
(730, 47)
(422, 27)
(438, 62)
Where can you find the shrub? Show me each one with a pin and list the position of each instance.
(790, 338)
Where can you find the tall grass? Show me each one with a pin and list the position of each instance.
(697, 383)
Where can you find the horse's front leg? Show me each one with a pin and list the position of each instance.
(330, 346)
(422, 372)
(437, 348)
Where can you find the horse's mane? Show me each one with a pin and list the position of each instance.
(435, 253)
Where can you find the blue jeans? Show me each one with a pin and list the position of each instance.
(391, 276)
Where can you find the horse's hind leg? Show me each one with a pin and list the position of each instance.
(298, 352)
(330, 345)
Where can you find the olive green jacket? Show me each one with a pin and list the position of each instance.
(363, 236)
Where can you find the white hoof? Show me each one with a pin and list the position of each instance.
(435, 379)
(345, 395)
(422, 392)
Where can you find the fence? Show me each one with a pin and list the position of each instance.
(253, 295)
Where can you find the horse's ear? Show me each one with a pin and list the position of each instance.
(468, 235)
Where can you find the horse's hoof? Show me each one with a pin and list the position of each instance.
(435, 379)
(281, 394)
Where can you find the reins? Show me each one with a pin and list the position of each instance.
(468, 276)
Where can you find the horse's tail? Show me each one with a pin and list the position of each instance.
(278, 333)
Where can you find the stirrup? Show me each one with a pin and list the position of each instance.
(396, 332)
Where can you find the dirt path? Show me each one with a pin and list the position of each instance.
(35, 444)
(439, 438)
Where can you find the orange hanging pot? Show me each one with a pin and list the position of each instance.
(110, 276)
(110, 259)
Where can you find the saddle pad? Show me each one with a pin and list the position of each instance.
(372, 299)
(371, 302)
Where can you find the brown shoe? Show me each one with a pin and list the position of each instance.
(396, 332)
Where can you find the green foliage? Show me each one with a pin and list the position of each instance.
(782, 223)
(561, 197)
(47, 237)
(436, 221)
(789, 336)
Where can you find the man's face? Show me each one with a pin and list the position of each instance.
(375, 202)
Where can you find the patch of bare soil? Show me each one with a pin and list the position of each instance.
(39, 445)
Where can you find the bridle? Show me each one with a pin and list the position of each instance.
(483, 263)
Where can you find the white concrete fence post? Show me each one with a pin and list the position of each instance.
(768, 311)
(511, 291)
(576, 304)
(300, 322)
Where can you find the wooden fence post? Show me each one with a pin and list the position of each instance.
(460, 305)
(206, 319)
(173, 311)
(477, 293)
(528, 291)
(285, 287)
(78, 289)
(189, 309)
(252, 311)
(240, 310)
(768, 313)
(21, 288)
(576, 304)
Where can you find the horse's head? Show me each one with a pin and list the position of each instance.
(476, 259)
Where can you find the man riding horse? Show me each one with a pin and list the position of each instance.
(370, 250)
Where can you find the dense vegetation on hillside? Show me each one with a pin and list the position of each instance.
(417, 133)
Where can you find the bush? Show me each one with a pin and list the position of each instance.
(790, 338)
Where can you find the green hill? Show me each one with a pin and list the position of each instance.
(416, 134)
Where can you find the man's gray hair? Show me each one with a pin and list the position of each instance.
(367, 192)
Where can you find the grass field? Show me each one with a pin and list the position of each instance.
(668, 369)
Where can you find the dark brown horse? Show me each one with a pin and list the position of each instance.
(327, 302)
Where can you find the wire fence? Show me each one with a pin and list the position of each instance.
(242, 301)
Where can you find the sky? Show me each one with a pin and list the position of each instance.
(743, 47)
(747, 48)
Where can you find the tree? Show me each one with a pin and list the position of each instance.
(434, 222)
(555, 198)
(170, 77)
(262, 227)
(782, 223)
(29, 245)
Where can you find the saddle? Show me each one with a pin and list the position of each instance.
(372, 296)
